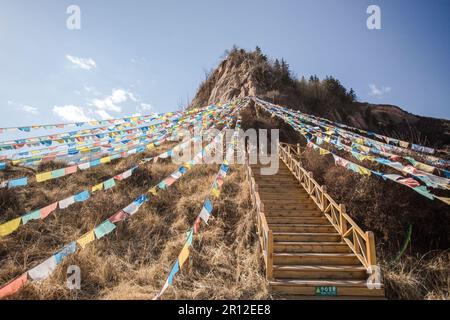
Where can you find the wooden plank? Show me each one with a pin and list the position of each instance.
(319, 272)
(315, 259)
(311, 247)
(301, 237)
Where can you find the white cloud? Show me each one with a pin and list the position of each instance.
(82, 63)
(112, 102)
(143, 108)
(378, 92)
(71, 113)
(30, 109)
(103, 114)
(103, 108)
(10, 102)
(146, 107)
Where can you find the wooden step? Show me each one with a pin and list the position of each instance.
(302, 228)
(315, 259)
(277, 212)
(311, 247)
(289, 206)
(296, 219)
(279, 173)
(304, 272)
(296, 201)
(296, 188)
(286, 195)
(305, 237)
(276, 186)
(350, 288)
(257, 171)
(282, 176)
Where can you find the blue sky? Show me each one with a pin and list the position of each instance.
(149, 56)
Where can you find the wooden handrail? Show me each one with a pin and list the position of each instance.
(360, 242)
(264, 232)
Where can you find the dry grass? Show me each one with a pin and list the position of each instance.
(134, 261)
(419, 277)
(388, 209)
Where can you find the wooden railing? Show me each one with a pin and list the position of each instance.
(360, 242)
(264, 232)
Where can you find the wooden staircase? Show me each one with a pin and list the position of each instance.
(305, 254)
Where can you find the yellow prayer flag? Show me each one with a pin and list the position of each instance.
(153, 191)
(105, 159)
(97, 187)
(323, 152)
(364, 171)
(150, 146)
(404, 144)
(424, 167)
(43, 176)
(365, 149)
(86, 239)
(215, 192)
(184, 254)
(9, 227)
(445, 200)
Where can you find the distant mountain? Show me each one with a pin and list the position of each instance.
(244, 73)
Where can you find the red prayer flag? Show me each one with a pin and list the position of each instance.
(13, 286)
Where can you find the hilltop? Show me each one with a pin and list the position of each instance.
(244, 73)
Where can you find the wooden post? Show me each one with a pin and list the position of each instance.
(324, 190)
(269, 267)
(370, 248)
(298, 149)
(311, 177)
(342, 221)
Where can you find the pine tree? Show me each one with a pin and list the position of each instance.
(285, 72)
(277, 65)
(352, 95)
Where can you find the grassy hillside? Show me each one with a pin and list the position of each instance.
(133, 262)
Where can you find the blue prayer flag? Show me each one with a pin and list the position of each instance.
(174, 271)
(208, 205)
(18, 182)
(82, 196)
(66, 251)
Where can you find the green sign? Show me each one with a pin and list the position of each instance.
(326, 291)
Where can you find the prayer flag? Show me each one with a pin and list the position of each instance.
(13, 286)
(43, 271)
(9, 227)
(103, 229)
(35, 215)
(86, 239)
(108, 184)
(66, 251)
(82, 196)
(48, 209)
